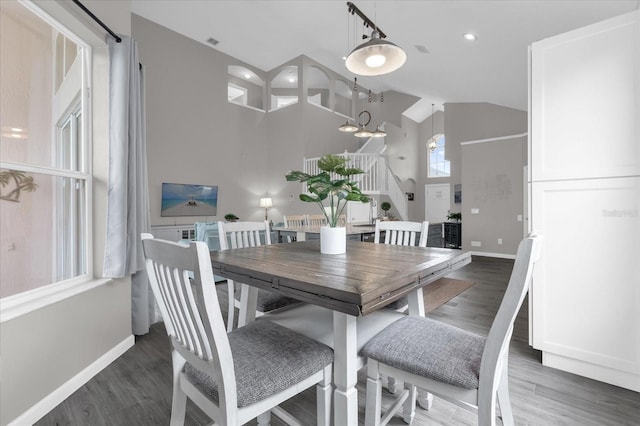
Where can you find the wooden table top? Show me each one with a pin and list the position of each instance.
(365, 278)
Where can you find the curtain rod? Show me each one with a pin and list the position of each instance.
(95, 18)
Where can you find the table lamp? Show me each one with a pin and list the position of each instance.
(266, 203)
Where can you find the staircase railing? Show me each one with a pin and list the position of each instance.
(377, 179)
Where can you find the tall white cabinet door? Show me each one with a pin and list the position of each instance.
(586, 292)
(585, 200)
(585, 88)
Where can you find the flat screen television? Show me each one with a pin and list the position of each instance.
(179, 199)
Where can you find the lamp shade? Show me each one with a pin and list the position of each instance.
(375, 57)
(363, 133)
(348, 127)
(378, 133)
(266, 202)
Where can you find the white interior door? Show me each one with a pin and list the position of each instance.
(437, 202)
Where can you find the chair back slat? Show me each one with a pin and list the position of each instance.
(316, 220)
(243, 234)
(295, 221)
(402, 232)
(182, 282)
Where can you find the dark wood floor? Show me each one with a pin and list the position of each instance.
(136, 388)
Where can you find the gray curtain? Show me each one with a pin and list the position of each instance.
(128, 189)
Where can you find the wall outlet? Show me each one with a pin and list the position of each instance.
(475, 211)
(499, 241)
(476, 244)
(519, 218)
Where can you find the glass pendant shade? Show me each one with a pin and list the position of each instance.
(379, 133)
(375, 57)
(348, 127)
(363, 133)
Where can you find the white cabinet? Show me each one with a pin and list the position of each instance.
(585, 200)
(174, 233)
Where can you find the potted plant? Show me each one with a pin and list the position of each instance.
(230, 217)
(455, 216)
(385, 206)
(336, 193)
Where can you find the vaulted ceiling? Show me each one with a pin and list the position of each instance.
(441, 66)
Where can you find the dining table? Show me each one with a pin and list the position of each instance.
(348, 291)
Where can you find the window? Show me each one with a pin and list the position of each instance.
(438, 166)
(45, 176)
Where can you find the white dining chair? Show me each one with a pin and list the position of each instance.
(463, 368)
(232, 377)
(402, 233)
(316, 220)
(294, 221)
(248, 234)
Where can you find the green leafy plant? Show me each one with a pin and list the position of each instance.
(335, 192)
(230, 217)
(454, 216)
(385, 206)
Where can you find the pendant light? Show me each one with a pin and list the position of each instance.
(348, 127)
(362, 131)
(433, 142)
(376, 56)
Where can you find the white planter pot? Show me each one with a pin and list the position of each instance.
(333, 240)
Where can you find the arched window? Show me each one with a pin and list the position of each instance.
(317, 87)
(284, 88)
(245, 87)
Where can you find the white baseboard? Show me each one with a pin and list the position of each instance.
(48, 403)
(499, 255)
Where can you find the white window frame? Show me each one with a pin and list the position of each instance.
(22, 303)
(441, 166)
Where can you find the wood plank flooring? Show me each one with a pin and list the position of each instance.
(136, 388)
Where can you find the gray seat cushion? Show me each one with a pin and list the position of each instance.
(431, 349)
(267, 359)
(268, 300)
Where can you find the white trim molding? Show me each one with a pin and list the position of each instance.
(500, 138)
(20, 304)
(49, 402)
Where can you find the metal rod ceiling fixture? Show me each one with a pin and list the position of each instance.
(367, 22)
(95, 18)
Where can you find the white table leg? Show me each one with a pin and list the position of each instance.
(345, 373)
(416, 303)
(248, 303)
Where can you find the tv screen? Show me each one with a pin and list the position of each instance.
(180, 199)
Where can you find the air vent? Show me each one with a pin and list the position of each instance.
(212, 41)
(422, 49)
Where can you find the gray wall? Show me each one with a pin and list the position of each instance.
(45, 348)
(195, 136)
(492, 182)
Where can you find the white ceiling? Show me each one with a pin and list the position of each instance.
(266, 34)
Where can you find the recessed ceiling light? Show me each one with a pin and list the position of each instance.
(292, 80)
(247, 75)
(470, 36)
